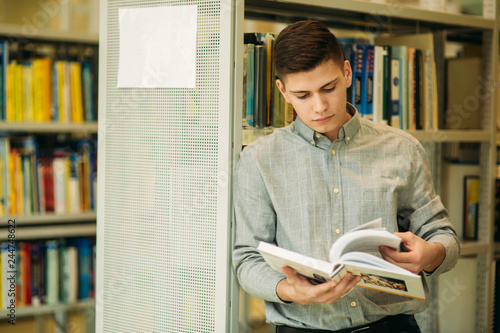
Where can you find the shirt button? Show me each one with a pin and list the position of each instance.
(333, 151)
(336, 190)
(318, 135)
(337, 231)
(353, 304)
(312, 142)
(347, 138)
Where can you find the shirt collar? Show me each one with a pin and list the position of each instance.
(346, 132)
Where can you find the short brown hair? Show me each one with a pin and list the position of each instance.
(304, 45)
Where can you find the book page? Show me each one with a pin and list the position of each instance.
(314, 269)
(367, 240)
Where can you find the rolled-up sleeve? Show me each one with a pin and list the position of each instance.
(255, 221)
(428, 218)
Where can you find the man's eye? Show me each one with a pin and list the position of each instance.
(330, 89)
(303, 96)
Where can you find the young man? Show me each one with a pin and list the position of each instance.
(305, 185)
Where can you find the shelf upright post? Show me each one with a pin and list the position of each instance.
(488, 96)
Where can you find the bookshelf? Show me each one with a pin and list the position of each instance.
(369, 18)
(67, 42)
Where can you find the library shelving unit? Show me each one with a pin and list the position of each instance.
(393, 19)
(50, 225)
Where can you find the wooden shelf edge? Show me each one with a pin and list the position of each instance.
(50, 231)
(395, 11)
(51, 218)
(52, 127)
(26, 32)
(471, 248)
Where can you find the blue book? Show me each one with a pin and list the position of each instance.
(84, 247)
(367, 82)
(250, 83)
(348, 50)
(358, 77)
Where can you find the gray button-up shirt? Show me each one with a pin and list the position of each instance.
(299, 190)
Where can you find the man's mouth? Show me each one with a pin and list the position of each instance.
(323, 120)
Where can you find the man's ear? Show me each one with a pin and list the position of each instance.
(281, 87)
(347, 73)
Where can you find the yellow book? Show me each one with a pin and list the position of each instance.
(47, 88)
(42, 84)
(29, 112)
(60, 67)
(76, 92)
(37, 90)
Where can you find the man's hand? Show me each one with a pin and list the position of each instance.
(421, 255)
(296, 288)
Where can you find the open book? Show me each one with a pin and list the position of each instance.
(350, 254)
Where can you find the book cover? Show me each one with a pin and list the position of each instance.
(471, 207)
(52, 277)
(350, 254)
(36, 261)
(77, 115)
(358, 77)
(367, 82)
(88, 92)
(462, 80)
(84, 247)
(401, 54)
(4, 58)
(395, 95)
(260, 90)
(60, 176)
(387, 92)
(348, 50)
(378, 83)
(250, 92)
(412, 121)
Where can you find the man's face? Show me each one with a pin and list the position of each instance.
(319, 96)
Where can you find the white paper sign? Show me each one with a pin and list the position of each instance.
(158, 47)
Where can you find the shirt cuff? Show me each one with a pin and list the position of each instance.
(452, 251)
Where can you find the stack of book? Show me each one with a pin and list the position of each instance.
(42, 89)
(47, 272)
(62, 180)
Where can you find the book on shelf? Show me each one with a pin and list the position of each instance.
(471, 207)
(53, 271)
(358, 75)
(264, 106)
(367, 83)
(43, 88)
(352, 252)
(463, 105)
(419, 93)
(38, 181)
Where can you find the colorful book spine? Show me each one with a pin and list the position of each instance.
(358, 77)
(395, 95)
(367, 82)
(250, 85)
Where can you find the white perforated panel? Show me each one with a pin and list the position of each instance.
(163, 215)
